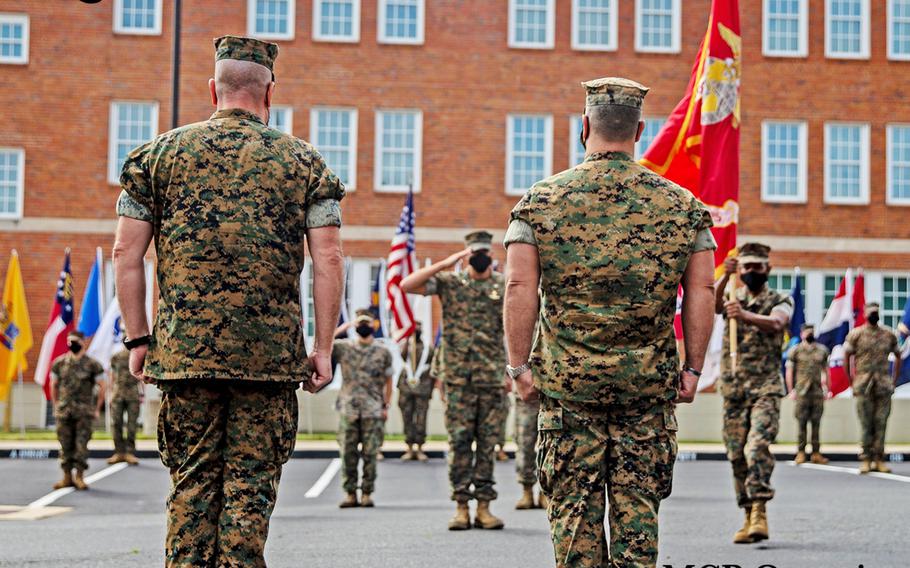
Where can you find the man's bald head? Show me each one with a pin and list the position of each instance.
(234, 78)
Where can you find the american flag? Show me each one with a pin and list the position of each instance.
(401, 263)
(60, 324)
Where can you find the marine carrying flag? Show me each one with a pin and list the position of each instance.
(698, 146)
(15, 328)
(61, 323)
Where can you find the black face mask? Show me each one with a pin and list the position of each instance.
(810, 338)
(480, 261)
(364, 330)
(75, 347)
(754, 280)
(873, 318)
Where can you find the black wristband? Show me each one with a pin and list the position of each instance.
(692, 371)
(131, 344)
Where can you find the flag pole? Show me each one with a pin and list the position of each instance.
(732, 284)
(21, 395)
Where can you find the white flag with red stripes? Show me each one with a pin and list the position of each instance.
(402, 262)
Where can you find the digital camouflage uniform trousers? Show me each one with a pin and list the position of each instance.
(750, 427)
(124, 399)
(414, 407)
(224, 442)
(503, 420)
(588, 454)
(526, 440)
(74, 431)
(809, 411)
(472, 416)
(360, 439)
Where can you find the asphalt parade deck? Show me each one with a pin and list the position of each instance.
(824, 516)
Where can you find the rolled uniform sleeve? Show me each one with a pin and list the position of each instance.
(136, 200)
(850, 341)
(520, 231)
(324, 193)
(704, 240)
(785, 306)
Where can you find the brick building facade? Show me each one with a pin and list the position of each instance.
(470, 101)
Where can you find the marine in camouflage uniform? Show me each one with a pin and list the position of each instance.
(870, 345)
(231, 204)
(613, 241)
(363, 402)
(414, 397)
(74, 377)
(807, 362)
(503, 418)
(125, 398)
(752, 391)
(473, 358)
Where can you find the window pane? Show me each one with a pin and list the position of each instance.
(334, 140)
(652, 127)
(134, 126)
(845, 26)
(399, 149)
(272, 17)
(656, 23)
(594, 19)
(530, 22)
(528, 151)
(401, 19)
(899, 164)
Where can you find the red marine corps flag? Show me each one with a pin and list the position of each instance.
(698, 146)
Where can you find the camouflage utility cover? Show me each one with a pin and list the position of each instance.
(472, 339)
(246, 49)
(76, 377)
(614, 239)
(230, 200)
(364, 370)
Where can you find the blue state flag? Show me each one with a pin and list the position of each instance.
(796, 321)
(93, 301)
(904, 329)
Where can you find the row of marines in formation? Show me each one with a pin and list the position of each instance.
(595, 256)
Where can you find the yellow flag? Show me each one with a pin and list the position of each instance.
(15, 328)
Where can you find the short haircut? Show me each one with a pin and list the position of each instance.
(233, 77)
(614, 123)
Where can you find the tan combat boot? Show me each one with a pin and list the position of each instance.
(758, 522)
(380, 456)
(78, 482)
(67, 480)
(131, 459)
(800, 458)
(542, 501)
(742, 535)
(420, 455)
(484, 519)
(866, 467)
(881, 467)
(818, 458)
(349, 501)
(527, 499)
(462, 519)
(501, 455)
(408, 454)
(116, 458)
(366, 500)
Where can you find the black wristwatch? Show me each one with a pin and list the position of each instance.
(131, 344)
(692, 371)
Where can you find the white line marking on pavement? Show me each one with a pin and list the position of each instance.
(324, 479)
(58, 493)
(852, 471)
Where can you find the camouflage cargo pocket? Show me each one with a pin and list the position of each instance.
(285, 432)
(550, 432)
(167, 450)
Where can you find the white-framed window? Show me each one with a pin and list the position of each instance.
(594, 25)
(281, 117)
(899, 29)
(529, 151)
(783, 161)
(336, 20)
(785, 31)
(576, 150)
(14, 39)
(532, 24)
(270, 19)
(847, 29)
(12, 182)
(399, 139)
(333, 131)
(895, 291)
(132, 123)
(783, 281)
(648, 134)
(898, 184)
(140, 17)
(847, 163)
(401, 21)
(657, 26)
(831, 286)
